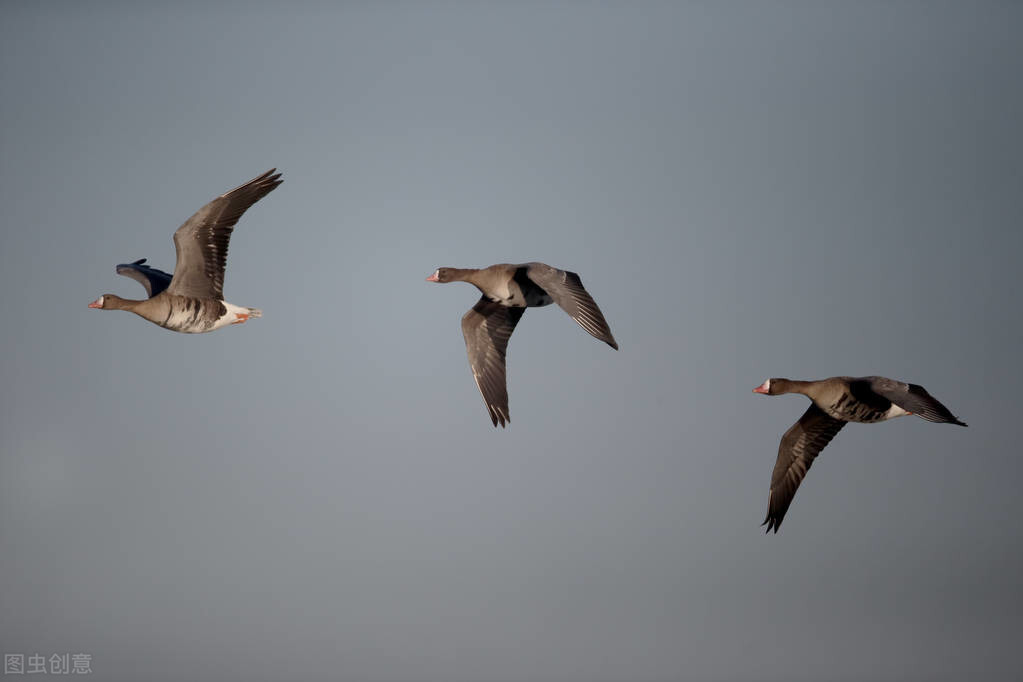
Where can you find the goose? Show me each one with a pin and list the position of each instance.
(507, 291)
(834, 403)
(191, 300)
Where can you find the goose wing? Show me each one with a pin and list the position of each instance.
(486, 328)
(202, 241)
(798, 448)
(913, 398)
(152, 279)
(567, 291)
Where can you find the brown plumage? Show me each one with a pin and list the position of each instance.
(507, 291)
(837, 401)
(193, 302)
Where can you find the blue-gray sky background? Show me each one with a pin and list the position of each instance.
(747, 189)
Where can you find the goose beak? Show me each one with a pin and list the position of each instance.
(433, 278)
(98, 303)
(762, 388)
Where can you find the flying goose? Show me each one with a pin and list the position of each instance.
(507, 291)
(192, 301)
(835, 402)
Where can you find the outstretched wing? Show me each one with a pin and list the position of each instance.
(914, 398)
(152, 279)
(486, 328)
(567, 291)
(799, 447)
(201, 242)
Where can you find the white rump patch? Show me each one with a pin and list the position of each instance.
(895, 411)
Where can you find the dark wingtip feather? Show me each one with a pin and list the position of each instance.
(496, 418)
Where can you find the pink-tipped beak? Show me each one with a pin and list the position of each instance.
(98, 303)
(762, 388)
(433, 278)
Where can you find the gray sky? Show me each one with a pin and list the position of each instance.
(747, 189)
